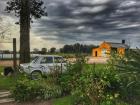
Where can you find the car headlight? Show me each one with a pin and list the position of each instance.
(21, 69)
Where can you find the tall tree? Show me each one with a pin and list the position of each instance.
(35, 50)
(52, 50)
(25, 31)
(26, 10)
(43, 50)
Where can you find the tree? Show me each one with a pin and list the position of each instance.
(35, 50)
(53, 50)
(77, 48)
(43, 50)
(3, 29)
(26, 10)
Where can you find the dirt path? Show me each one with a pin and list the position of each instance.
(98, 60)
(7, 63)
(30, 103)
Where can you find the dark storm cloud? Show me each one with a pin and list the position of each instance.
(91, 20)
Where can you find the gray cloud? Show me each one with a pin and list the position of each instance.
(91, 20)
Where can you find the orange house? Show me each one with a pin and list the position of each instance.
(105, 49)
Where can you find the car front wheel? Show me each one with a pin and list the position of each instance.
(36, 75)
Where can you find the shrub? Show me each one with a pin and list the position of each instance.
(27, 90)
(52, 91)
(129, 70)
(68, 80)
(98, 86)
(90, 86)
(127, 67)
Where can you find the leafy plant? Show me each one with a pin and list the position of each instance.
(130, 76)
(27, 90)
(89, 85)
(68, 80)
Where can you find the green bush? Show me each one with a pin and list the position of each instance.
(68, 80)
(52, 91)
(27, 90)
(90, 86)
(115, 84)
(129, 70)
(98, 86)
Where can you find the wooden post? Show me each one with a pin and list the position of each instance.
(2, 55)
(14, 54)
(61, 67)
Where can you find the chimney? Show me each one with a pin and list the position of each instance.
(123, 41)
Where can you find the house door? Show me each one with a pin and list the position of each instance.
(103, 52)
(96, 53)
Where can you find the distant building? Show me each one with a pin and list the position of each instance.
(106, 48)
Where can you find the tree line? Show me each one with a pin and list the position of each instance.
(73, 48)
(77, 48)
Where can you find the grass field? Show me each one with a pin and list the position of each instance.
(62, 101)
(6, 82)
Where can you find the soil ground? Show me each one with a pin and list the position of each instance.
(5, 63)
(29, 103)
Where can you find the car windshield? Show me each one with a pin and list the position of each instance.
(35, 59)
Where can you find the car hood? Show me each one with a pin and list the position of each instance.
(25, 64)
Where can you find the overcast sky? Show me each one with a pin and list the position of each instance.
(84, 21)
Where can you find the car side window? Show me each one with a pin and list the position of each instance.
(58, 59)
(47, 60)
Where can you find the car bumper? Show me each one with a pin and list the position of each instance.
(23, 70)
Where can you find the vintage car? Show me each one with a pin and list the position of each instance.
(43, 64)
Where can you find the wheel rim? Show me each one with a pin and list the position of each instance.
(36, 75)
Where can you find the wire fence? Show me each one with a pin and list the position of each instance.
(4, 56)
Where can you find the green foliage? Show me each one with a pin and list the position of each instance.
(62, 101)
(89, 85)
(36, 8)
(130, 76)
(68, 80)
(115, 84)
(52, 50)
(5, 82)
(77, 48)
(27, 90)
(127, 67)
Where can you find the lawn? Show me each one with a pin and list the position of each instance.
(6, 82)
(62, 101)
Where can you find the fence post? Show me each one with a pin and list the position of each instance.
(2, 55)
(14, 54)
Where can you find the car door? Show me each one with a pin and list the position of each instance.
(59, 63)
(47, 64)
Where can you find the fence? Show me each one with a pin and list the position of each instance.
(10, 56)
